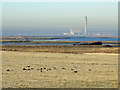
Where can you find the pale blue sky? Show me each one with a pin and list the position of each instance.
(34, 15)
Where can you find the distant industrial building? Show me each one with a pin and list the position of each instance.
(85, 31)
(72, 32)
(75, 32)
(85, 25)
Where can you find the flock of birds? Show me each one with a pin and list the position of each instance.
(28, 67)
(47, 69)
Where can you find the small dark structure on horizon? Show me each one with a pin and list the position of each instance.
(94, 43)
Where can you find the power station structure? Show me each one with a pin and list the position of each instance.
(84, 32)
(71, 32)
(85, 25)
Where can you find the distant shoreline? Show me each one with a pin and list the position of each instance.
(52, 37)
(104, 36)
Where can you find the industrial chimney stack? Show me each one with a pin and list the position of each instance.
(85, 25)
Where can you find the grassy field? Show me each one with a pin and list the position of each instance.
(59, 66)
(62, 49)
(59, 70)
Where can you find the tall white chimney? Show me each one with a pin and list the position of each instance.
(85, 25)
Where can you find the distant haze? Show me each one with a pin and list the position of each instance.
(55, 18)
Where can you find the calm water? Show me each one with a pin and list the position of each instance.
(81, 39)
(66, 39)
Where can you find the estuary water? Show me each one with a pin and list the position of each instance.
(78, 39)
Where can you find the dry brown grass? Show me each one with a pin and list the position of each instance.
(61, 49)
(60, 70)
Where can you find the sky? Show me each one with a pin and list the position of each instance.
(59, 0)
(59, 16)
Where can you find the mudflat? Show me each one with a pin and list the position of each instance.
(59, 70)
